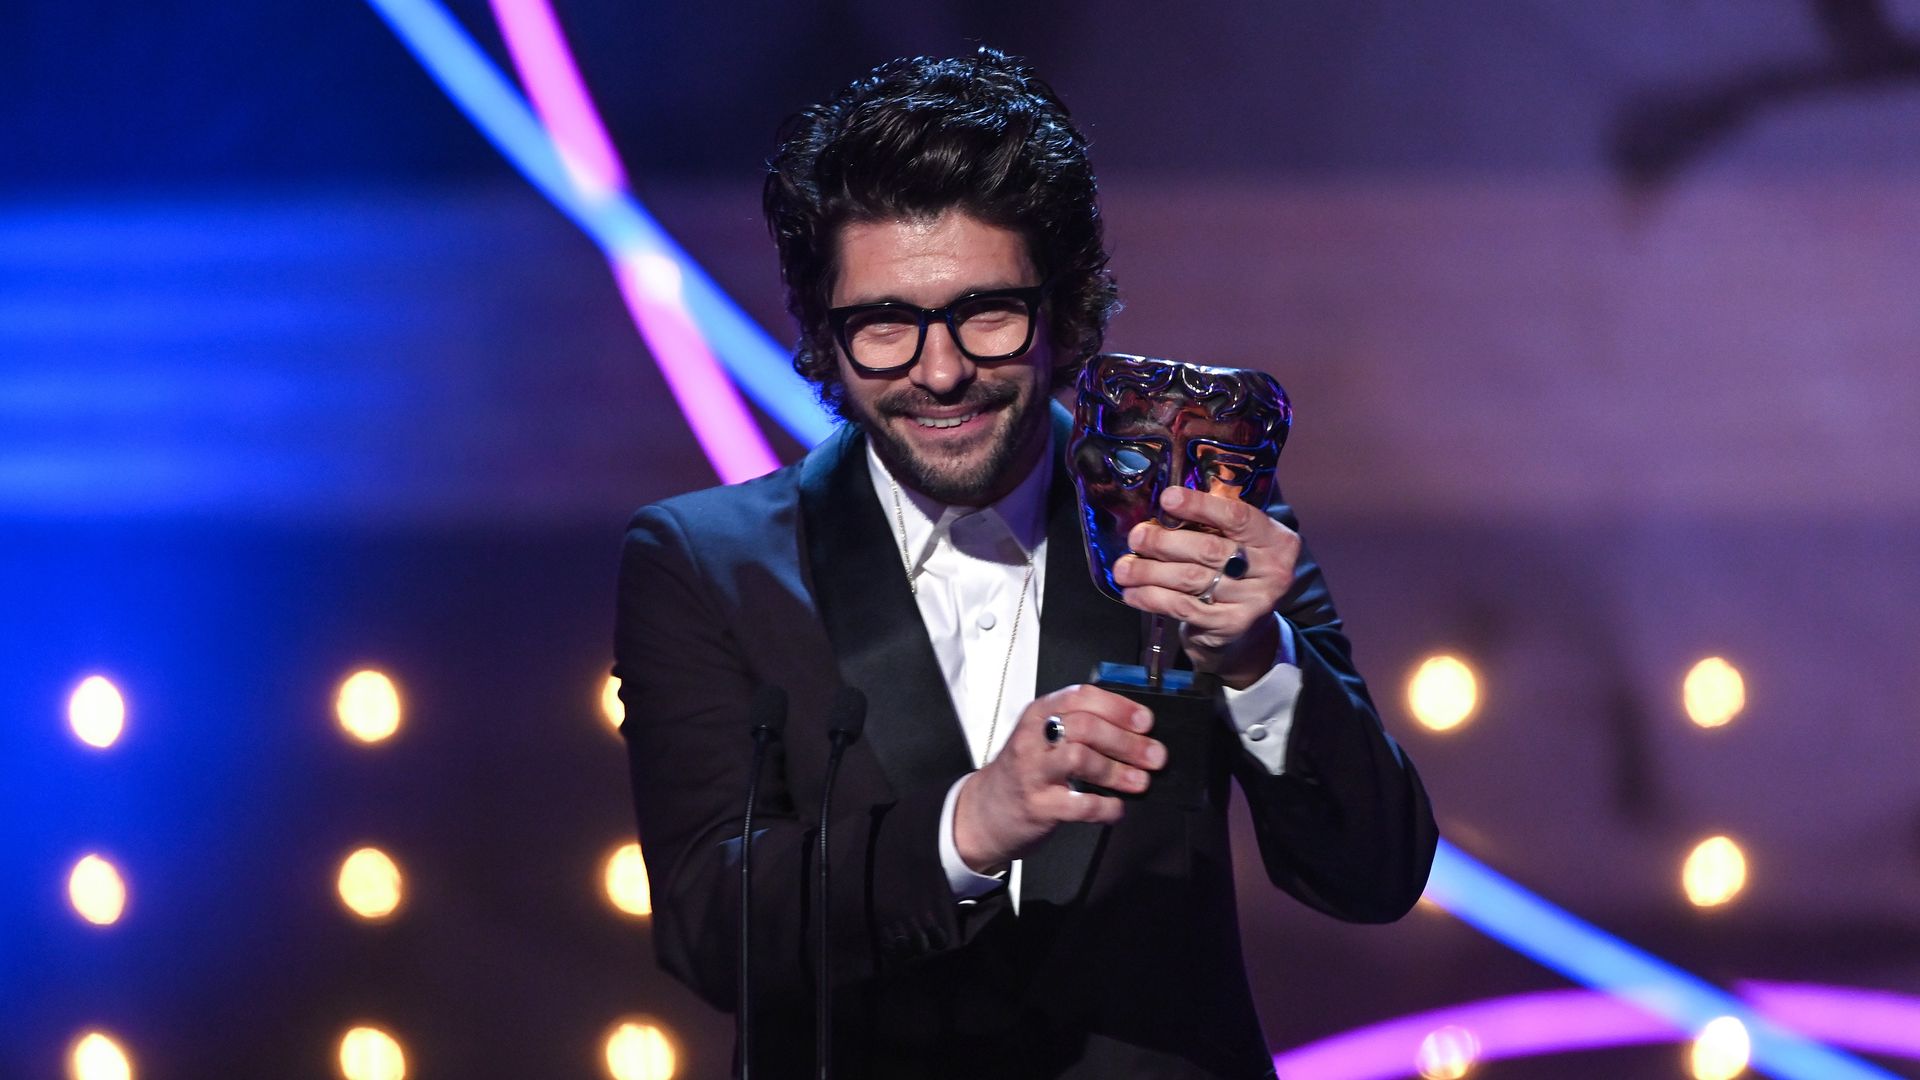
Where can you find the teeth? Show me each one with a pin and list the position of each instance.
(929, 422)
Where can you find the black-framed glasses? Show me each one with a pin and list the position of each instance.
(888, 337)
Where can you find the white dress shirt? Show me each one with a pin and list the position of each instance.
(968, 567)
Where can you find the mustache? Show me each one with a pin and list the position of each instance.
(982, 396)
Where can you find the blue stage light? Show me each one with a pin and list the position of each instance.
(1581, 951)
(617, 223)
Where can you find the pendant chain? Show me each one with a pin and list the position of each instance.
(906, 562)
(1013, 635)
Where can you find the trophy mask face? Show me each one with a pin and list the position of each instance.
(1142, 424)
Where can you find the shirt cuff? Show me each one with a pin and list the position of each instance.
(1262, 714)
(967, 885)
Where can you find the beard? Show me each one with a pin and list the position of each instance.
(979, 474)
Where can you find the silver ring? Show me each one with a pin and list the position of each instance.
(1236, 567)
(1055, 729)
(1205, 595)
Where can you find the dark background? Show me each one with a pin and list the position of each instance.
(1600, 322)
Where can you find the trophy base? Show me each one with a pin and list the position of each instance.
(1185, 720)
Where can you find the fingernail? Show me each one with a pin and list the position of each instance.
(1136, 779)
(1156, 755)
(1173, 498)
(1142, 720)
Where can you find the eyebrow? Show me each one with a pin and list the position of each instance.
(894, 298)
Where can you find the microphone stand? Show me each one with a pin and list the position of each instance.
(769, 715)
(846, 717)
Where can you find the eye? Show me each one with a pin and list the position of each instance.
(1129, 464)
(880, 323)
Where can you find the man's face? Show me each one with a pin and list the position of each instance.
(961, 431)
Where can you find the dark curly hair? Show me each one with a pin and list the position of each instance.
(919, 136)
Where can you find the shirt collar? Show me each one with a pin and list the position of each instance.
(925, 519)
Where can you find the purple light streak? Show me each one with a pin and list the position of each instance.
(649, 280)
(1876, 1021)
(559, 96)
(1560, 1021)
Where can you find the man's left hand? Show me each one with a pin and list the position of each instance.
(1234, 637)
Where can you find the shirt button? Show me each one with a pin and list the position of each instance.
(1256, 732)
(987, 620)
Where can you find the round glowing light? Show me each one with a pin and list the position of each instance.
(1714, 693)
(96, 712)
(368, 706)
(1721, 1050)
(626, 879)
(1715, 872)
(610, 706)
(639, 1051)
(97, 1057)
(1443, 693)
(370, 884)
(96, 891)
(367, 1053)
(1447, 1053)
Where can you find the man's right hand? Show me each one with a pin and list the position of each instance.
(1017, 799)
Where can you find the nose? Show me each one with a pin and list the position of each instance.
(942, 368)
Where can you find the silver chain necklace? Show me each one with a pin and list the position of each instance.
(1013, 636)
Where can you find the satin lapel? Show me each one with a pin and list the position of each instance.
(872, 620)
(1079, 628)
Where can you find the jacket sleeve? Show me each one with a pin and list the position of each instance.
(686, 682)
(1346, 828)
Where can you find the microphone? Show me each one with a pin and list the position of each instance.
(846, 717)
(768, 712)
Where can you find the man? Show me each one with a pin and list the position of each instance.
(942, 252)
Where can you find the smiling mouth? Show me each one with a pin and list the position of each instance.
(942, 422)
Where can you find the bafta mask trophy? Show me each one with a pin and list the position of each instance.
(1140, 426)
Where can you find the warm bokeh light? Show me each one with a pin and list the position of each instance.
(367, 1053)
(96, 890)
(1715, 872)
(637, 1050)
(96, 712)
(97, 1057)
(370, 884)
(1714, 693)
(368, 706)
(1443, 693)
(1721, 1050)
(610, 705)
(626, 878)
(1447, 1053)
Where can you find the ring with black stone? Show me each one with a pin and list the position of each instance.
(1055, 729)
(1236, 567)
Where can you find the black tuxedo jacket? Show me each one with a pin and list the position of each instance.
(1124, 960)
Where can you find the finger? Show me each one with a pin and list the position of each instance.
(1222, 614)
(1233, 519)
(1116, 743)
(1155, 541)
(1187, 577)
(1104, 704)
(1078, 761)
(1063, 804)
